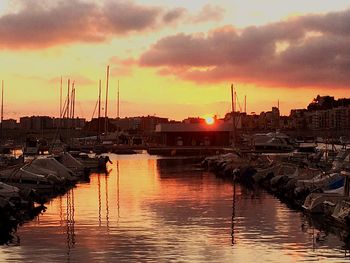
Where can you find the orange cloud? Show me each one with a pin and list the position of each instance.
(308, 51)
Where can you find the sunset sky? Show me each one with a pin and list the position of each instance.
(173, 58)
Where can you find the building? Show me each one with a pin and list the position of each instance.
(142, 124)
(37, 123)
(195, 134)
(73, 123)
(10, 124)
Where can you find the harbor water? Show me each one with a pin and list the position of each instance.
(152, 209)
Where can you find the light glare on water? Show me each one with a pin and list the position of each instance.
(167, 210)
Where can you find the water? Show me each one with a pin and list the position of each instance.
(166, 210)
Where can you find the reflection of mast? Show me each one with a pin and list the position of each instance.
(118, 204)
(233, 213)
(70, 221)
(107, 208)
(61, 211)
(99, 198)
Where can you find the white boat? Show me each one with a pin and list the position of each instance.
(21, 178)
(341, 213)
(325, 181)
(50, 163)
(273, 142)
(315, 202)
(70, 162)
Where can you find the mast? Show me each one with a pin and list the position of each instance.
(278, 119)
(73, 104)
(2, 108)
(233, 117)
(72, 100)
(106, 106)
(118, 116)
(61, 98)
(60, 122)
(245, 103)
(99, 111)
(68, 91)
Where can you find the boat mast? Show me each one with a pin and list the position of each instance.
(60, 122)
(245, 103)
(106, 106)
(233, 117)
(73, 104)
(72, 101)
(99, 111)
(118, 116)
(118, 102)
(68, 91)
(2, 108)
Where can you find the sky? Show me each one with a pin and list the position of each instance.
(172, 58)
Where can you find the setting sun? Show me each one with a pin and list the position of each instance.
(209, 120)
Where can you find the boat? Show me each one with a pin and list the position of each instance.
(50, 163)
(10, 193)
(70, 162)
(316, 202)
(23, 179)
(273, 143)
(89, 161)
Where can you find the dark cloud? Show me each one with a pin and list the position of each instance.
(44, 24)
(312, 50)
(174, 14)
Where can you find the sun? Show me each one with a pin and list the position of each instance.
(209, 120)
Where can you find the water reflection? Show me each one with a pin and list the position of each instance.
(233, 212)
(163, 210)
(70, 222)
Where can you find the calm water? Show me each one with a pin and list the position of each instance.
(160, 210)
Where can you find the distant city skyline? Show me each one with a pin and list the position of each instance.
(173, 59)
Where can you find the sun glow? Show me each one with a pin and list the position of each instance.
(209, 120)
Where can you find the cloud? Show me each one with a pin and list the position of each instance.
(174, 14)
(44, 24)
(122, 67)
(78, 80)
(208, 13)
(312, 50)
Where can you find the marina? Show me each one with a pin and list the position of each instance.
(174, 131)
(151, 208)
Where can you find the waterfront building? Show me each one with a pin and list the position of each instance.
(10, 124)
(195, 134)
